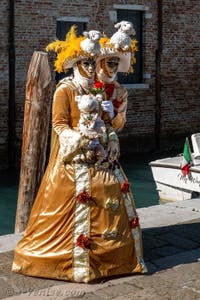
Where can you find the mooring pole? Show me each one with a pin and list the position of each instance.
(35, 135)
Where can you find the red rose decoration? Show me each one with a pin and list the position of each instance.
(83, 197)
(98, 85)
(135, 222)
(83, 241)
(125, 187)
(109, 88)
(98, 88)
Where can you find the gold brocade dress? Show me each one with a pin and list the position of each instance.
(83, 225)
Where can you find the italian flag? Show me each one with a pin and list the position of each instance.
(185, 164)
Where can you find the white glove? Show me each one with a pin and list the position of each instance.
(113, 146)
(93, 144)
(113, 150)
(108, 107)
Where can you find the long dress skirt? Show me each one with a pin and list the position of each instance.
(83, 225)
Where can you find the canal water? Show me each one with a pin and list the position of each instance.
(136, 168)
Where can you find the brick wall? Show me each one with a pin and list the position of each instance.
(35, 27)
(180, 68)
(3, 82)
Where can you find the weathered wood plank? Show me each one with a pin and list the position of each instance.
(35, 135)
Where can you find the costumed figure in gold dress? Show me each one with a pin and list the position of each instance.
(83, 225)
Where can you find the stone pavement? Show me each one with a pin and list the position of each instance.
(171, 239)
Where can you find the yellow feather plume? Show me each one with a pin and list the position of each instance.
(133, 49)
(68, 50)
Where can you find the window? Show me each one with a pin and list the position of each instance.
(62, 27)
(136, 17)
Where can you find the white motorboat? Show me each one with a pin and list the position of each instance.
(170, 182)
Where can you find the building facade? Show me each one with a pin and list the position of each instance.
(164, 90)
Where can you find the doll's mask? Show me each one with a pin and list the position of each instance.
(110, 65)
(86, 67)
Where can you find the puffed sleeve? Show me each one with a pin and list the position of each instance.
(70, 139)
(60, 109)
(120, 107)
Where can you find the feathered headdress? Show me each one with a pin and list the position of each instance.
(68, 51)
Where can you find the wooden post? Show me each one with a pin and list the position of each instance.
(35, 135)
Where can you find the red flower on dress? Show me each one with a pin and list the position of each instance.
(135, 222)
(83, 241)
(125, 187)
(83, 197)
